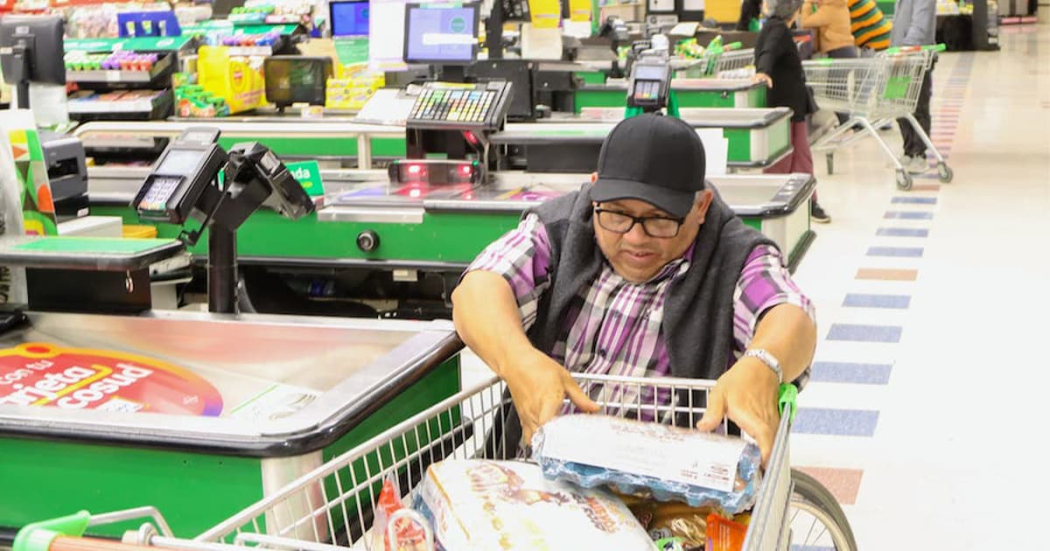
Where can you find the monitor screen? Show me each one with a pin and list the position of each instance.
(349, 18)
(441, 34)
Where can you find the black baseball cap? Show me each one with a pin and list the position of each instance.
(652, 158)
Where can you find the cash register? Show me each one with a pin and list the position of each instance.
(450, 118)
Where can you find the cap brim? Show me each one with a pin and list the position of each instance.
(675, 203)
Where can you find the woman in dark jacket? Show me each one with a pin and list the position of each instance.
(779, 66)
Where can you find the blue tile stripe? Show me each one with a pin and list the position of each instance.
(864, 333)
(903, 232)
(915, 200)
(850, 372)
(901, 252)
(856, 300)
(835, 422)
(901, 215)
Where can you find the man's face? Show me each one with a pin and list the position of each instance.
(635, 255)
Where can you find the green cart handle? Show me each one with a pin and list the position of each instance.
(732, 46)
(898, 49)
(788, 395)
(38, 536)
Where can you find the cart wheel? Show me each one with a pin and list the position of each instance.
(945, 172)
(817, 521)
(903, 180)
(831, 163)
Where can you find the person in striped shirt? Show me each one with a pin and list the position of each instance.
(645, 273)
(871, 29)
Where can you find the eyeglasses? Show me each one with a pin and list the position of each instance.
(659, 227)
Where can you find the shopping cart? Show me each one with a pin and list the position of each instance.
(330, 509)
(873, 91)
(718, 59)
(735, 61)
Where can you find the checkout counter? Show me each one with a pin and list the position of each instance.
(198, 413)
(398, 245)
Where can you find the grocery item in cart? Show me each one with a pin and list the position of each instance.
(649, 459)
(484, 505)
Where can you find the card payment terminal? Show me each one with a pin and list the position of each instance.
(185, 168)
(650, 84)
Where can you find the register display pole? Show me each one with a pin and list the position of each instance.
(222, 270)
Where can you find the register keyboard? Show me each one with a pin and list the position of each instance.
(451, 106)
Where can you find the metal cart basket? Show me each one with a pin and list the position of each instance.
(331, 507)
(873, 91)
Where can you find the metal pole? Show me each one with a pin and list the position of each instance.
(222, 270)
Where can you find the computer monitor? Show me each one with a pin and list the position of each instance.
(31, 50)
(441, 34)
(349, 17)
(296, 79)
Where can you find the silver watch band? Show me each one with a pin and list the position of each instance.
(768, 359)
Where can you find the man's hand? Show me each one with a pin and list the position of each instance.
(747, 394)
(764, 78)
(538, 386)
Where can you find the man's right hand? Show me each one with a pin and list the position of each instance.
(538, 386)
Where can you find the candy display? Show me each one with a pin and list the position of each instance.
(648, 459)
(267, 39)
(485, 505)
(116, 61)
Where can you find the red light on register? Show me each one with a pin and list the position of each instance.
(415, 193)
(466, 170)
(415, 169)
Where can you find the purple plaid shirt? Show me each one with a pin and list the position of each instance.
(615, 328)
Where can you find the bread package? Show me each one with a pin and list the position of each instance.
(478, 505)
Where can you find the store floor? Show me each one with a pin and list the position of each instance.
(932, 370)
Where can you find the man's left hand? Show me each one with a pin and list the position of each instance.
(747, 394)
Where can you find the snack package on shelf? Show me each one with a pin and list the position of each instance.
(649, 459)
(478, 505)
(238, 80)
(352, 87)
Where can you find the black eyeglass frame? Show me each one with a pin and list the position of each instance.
(638, 220)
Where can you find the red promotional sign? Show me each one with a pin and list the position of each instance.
(41, 374)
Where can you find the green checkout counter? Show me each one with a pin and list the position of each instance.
(707, 92)
(374, 240)
(228, 408)
(757, 137)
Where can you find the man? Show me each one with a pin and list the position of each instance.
(915, 24)
(645, 273)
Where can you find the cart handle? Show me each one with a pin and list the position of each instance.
(38, 536)
(906, 49)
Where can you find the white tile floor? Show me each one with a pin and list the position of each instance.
(954, 459)
(953, 462)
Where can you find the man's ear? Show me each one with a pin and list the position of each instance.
(703, 202)
(594, 177)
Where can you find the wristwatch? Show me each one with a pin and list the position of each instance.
(768, 359)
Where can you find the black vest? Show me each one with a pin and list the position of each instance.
(698, 315)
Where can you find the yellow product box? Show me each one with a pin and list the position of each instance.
(238, 80)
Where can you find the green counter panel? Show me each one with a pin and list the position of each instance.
(584, 98)
(325, 147)
(739, 144)
(266, 233)
(43, 480)
(591, 77)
